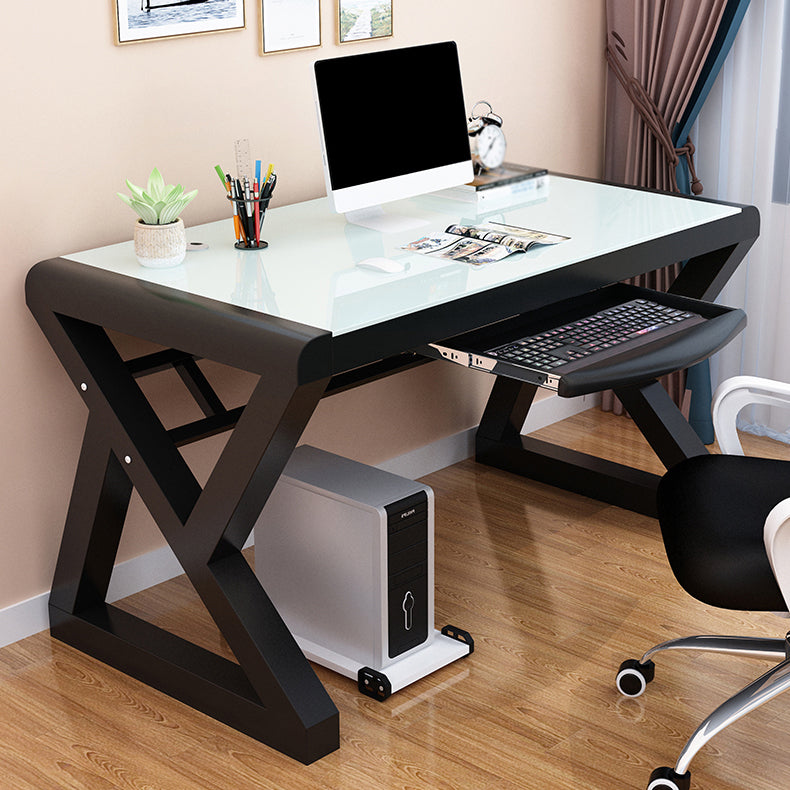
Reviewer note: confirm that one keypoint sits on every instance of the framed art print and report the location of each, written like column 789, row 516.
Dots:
column 290, row 24
column 143, row 20
column 362, row 20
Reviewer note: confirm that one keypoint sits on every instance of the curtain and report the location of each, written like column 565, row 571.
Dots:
column 663, row 55
column 743, row 135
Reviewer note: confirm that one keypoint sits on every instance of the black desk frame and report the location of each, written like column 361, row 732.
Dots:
column 272, row 694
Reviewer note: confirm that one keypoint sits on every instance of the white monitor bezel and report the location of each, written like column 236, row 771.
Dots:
column 371, row 194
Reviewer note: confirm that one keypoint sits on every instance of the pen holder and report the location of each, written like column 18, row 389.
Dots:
column 247, row 221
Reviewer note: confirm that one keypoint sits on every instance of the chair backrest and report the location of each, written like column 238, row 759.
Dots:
column 730, row 397
column 733, row 395
column 712, row 509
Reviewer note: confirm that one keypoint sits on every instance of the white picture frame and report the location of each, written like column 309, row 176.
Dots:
column 144, row 20
column 290, row 25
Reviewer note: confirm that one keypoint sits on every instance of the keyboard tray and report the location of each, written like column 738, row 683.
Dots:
column 629, row 367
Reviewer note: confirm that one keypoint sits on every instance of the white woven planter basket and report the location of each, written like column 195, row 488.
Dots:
column 160, row 246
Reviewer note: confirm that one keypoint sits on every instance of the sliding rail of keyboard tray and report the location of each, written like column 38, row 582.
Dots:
column 631, row 362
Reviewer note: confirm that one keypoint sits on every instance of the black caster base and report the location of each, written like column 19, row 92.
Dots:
column 633, row 677
column 667, row 779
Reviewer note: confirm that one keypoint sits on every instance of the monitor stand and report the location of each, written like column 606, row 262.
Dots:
column 376, row 218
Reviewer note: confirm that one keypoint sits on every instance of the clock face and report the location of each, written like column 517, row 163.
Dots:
column 491, row 146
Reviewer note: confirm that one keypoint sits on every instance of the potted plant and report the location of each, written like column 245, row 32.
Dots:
column 159, row 237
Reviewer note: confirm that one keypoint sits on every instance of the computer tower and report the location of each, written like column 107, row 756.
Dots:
column 345, row 552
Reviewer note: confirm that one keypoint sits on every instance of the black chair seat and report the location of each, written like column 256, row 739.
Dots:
column 712, row 509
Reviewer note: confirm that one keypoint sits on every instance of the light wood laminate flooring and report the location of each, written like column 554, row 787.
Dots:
column 556, row 589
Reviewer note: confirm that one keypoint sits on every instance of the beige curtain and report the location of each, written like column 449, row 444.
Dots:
column 656, row 50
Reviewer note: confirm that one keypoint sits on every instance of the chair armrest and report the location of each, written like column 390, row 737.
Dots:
column 735, row 393
column 776, row 534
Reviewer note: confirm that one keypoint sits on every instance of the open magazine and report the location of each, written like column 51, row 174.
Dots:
column 478, row 244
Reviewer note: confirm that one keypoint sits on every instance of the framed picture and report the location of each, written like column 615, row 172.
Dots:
column 287, row 25
column 362, row 20
column 143, row 20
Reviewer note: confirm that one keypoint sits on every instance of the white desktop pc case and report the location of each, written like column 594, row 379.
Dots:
column 345, row 551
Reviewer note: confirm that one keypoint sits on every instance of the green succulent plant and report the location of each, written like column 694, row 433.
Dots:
column 158, row 203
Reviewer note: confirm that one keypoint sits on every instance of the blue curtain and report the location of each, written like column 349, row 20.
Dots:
column 698, row 377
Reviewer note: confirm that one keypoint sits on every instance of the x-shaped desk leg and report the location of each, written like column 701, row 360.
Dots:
column 499, row 443
column 272, row 694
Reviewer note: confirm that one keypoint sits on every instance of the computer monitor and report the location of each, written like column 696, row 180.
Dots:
column 393, row 125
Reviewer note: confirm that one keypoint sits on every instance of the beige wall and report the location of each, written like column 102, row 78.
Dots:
column 81, row 114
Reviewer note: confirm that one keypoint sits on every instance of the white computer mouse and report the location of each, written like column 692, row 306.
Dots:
column 386, row 265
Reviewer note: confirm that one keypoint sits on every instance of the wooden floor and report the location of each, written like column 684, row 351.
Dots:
column 556, row 589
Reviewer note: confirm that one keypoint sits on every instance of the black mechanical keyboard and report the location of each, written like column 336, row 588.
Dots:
column 598, row 334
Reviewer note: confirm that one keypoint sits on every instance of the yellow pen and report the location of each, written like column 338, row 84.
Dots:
column 268, row 175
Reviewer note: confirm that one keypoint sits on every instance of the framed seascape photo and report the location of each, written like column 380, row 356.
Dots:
column 362, row 20
column 143, row 20
column 287, row 25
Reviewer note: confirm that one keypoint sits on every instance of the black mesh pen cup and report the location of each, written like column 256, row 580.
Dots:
column 248, row 215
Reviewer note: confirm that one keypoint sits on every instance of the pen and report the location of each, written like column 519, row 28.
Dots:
column 226, row 182
column 271, row 180
column 268, row 176
column 245, row 207
column 229, row 188
column 239, row 194
column 248, row 202
column 256, row 195
column 238, row 208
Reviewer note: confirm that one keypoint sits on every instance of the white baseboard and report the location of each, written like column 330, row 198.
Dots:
column 26, row 618
column 31, row 616
column 455, row 448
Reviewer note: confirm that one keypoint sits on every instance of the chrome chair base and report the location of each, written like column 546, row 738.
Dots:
column 634, row 675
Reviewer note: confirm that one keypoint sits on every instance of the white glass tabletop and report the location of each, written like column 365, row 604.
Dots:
column 308, row 273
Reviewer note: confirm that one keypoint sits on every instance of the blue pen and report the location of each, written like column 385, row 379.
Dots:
column 258, row 170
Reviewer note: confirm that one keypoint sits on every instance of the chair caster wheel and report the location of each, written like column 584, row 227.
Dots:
column 667, row 779
column 633, row 677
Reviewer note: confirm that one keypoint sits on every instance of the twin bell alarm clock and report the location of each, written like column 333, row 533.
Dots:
column 487, row 138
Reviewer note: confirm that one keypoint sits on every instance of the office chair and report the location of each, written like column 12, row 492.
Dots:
column 725, row 521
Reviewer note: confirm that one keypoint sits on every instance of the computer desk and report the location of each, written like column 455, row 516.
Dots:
column 302, row 317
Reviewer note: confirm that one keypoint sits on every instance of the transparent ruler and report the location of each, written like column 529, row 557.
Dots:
column 243, row 168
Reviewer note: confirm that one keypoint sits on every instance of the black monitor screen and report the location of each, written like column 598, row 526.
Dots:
column 392, row 112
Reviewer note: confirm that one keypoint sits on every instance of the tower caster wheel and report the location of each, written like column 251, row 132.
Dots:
column 667, row 779
column 633, row 677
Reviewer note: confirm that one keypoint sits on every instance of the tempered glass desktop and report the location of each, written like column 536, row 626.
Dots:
column 309, row 276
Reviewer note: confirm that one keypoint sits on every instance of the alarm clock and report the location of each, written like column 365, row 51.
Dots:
column 488, row 142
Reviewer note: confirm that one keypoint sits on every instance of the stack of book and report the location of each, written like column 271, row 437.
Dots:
column 503, row 185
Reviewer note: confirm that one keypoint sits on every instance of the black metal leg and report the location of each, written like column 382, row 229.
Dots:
column 661, row 423
column 704, row 276
column 272, row 693
column 506, row 410
column 100, row 499
column 500, row 444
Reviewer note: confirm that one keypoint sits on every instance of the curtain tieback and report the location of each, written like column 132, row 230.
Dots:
column 688, row 151
column 654, row 121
